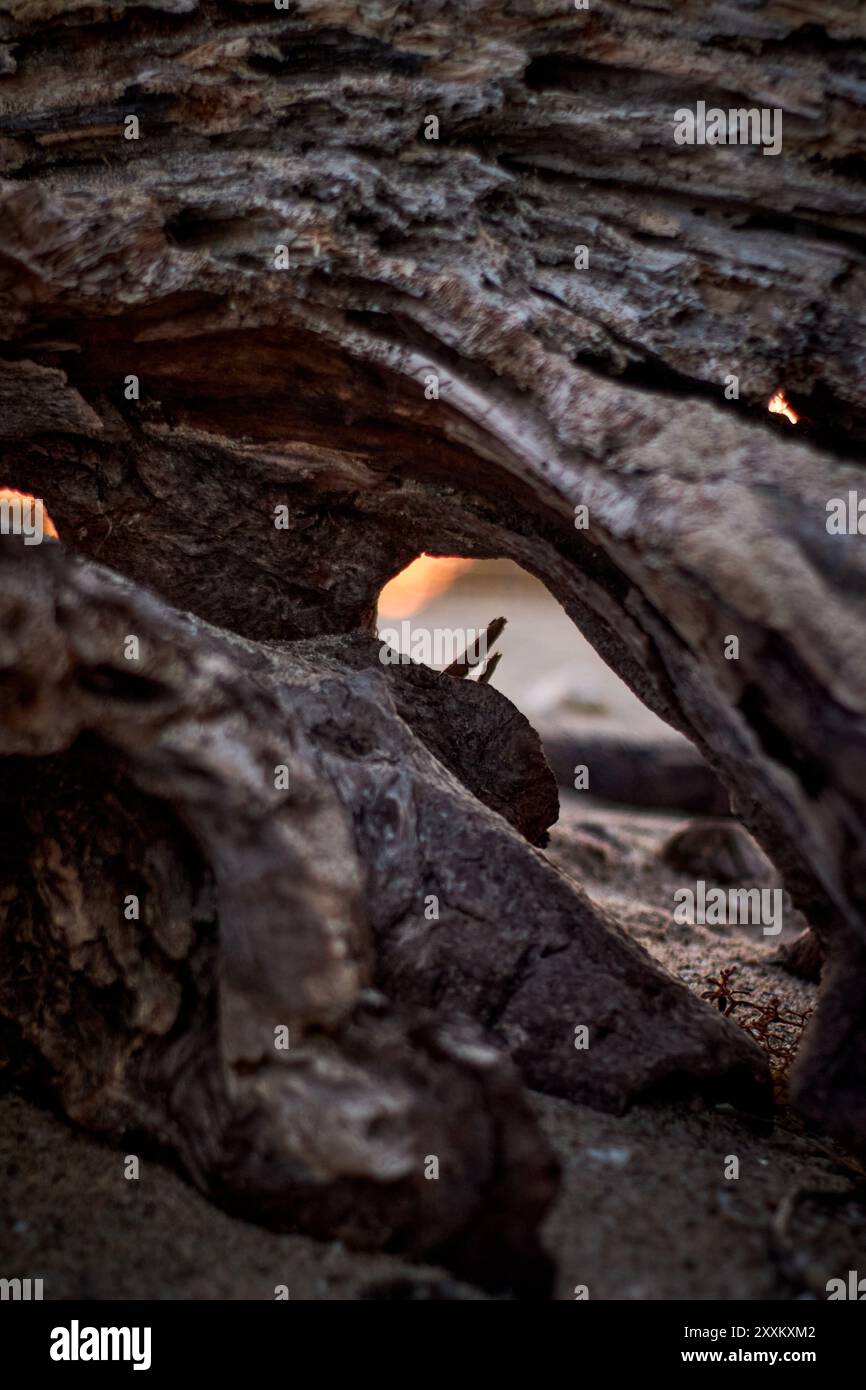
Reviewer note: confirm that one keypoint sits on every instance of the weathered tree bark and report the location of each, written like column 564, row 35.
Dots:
column 265, row 909
column 453, row 258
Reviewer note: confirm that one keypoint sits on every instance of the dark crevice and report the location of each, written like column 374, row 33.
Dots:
column 791, row 225
column 321, row 52
column 193, row 229
column 753, row 707
column 121, row 685
column 809, row 39
column 48, row 123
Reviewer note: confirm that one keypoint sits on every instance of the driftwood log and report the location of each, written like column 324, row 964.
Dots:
column 283, row 294
column 260, row 908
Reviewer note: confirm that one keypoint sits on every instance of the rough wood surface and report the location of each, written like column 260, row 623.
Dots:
column 558, row 387
column 264, row 909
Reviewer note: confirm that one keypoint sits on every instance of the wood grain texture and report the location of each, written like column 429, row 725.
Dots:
column 557, row 387
column 305, row 908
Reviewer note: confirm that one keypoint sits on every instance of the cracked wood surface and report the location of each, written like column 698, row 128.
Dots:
column 263, row 909
column 558, row 387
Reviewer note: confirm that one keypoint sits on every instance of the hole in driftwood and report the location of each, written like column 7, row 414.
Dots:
column 626, row 781
column 437, row 608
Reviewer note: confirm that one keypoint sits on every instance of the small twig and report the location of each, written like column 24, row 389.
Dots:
column 476, row 652
column 489, row 668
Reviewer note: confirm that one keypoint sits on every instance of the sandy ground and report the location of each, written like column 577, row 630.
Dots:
column 644, row 1211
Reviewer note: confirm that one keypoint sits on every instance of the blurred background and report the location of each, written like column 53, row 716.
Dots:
column 547, row 669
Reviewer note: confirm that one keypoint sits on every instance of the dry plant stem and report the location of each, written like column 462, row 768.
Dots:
column 476, row 653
